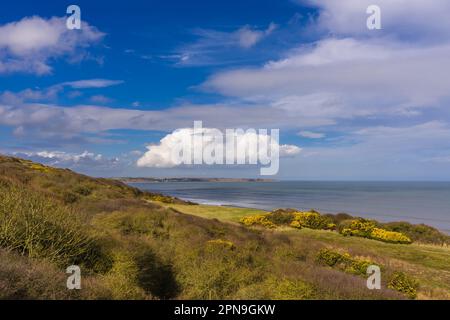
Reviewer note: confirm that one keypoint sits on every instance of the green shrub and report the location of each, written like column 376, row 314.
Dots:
column 83, row 190
column 216, row 271
column 292, row 218
column 339, row 217
column 368, row 229
column 38, row 227
column 389, row 236
column 403, row 283
column 418, row 232
column 135, row 222
column 311, row 220
column 358, row 227
column 343, row 261
column 69, row 197
column 259, row 220
column 281, row 216
column 328, row 257
column 23, row 278
column 122, row 279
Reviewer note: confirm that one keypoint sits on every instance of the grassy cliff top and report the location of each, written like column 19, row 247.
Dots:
column 139, row 245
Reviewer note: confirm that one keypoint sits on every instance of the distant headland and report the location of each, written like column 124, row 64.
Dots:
column 146, row 180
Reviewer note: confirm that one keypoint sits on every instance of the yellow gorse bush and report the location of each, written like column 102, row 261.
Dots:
column 260, row 219
column 389, row 236
column 312, row 220
column 359, row 228
column 343, row 261
column 367, row 229
column 403, row 283
column 161, row 198
column 398, row 281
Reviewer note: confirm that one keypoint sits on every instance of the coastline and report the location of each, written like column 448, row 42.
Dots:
column 185, row 179
column 265, row 207
column 115, row 225
column 206, row 202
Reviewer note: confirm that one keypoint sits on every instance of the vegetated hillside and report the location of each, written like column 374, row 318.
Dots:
column 132, row 245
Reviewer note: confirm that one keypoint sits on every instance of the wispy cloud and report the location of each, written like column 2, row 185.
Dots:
column 51, row 93
column 92, row 83
column 218, row 47
column 311, row 135
column 100, row 99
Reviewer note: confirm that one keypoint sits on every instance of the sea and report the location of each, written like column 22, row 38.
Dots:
column 415, row 202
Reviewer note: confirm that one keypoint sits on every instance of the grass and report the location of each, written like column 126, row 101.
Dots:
column 428, row 263
column 221, row 213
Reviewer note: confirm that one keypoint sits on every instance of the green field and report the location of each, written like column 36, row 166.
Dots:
column 221, row 213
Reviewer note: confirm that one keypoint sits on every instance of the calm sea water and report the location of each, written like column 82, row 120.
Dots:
column 416, row 202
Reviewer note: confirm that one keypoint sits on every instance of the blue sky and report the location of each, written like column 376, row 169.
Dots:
column 360, row 104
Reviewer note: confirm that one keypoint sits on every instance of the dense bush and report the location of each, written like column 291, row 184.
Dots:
column 368, row 229
column 36, row 226
column 258, row 220
column 403, row 283
column 217, row 271
column 69, row 197
column 357, row 227
column 281, row 216
column 292, row 218
column 83, row 190
column 339, row 217
column 389, row 236
column 343, row 261
column 122, row 280
column 135, row 222
column 311, row 220
column 22, row 278
column 164, row 198
column 398, row 281
column 418, row 232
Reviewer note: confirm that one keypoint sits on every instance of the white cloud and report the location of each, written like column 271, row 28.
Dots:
column 289, row 150
column 248, row 37
column 218, row 47
column 408, row 19
column 51, row 93
column 383, row 152
column 353, row 72
column 61, row 158
column 16, row 98
column 375, row 76
column 92, row 83
column 63, row 122
column 311, row 135
column 161, row 155
column 28, row 45
column 388, row 144
column 100, row 99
